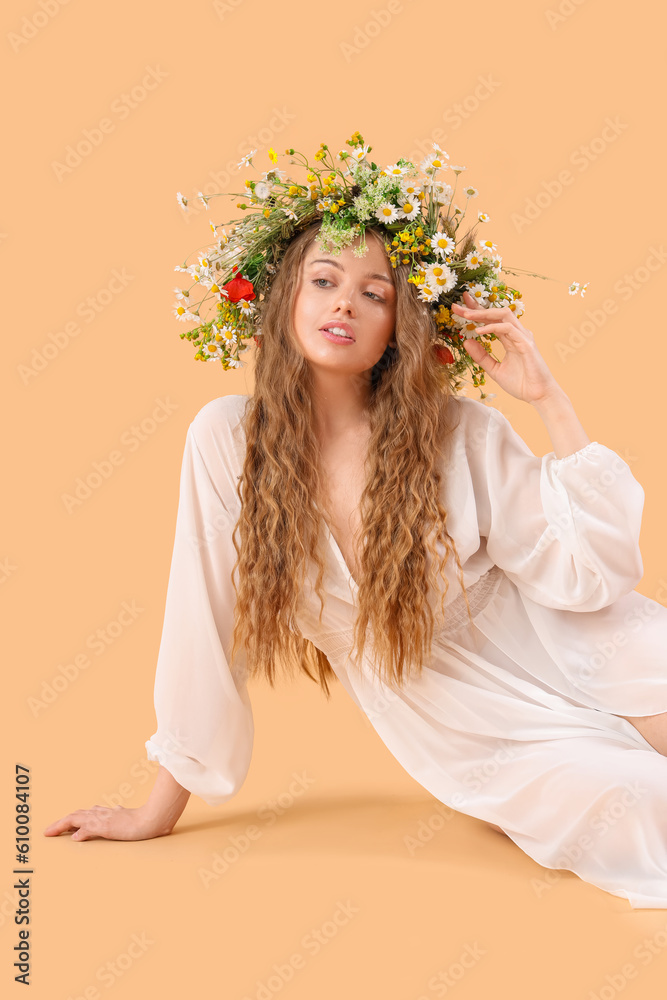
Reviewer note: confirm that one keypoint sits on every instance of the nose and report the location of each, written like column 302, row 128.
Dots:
column 344, row 299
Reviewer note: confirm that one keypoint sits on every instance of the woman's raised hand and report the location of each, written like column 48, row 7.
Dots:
column 109, row 823
column 523, row 372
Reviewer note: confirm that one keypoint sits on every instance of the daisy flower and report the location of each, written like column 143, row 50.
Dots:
column 473, row 260
column 483, row 245
column 245, row 160
column 433, row 162
column 212, row 352
column 457, row 170
column 409, row 208
column 470, row 192
column 290, row 214
column 483, row 217
column 359, row 154
column 394, row 170
column 440, row 278
column 426, row 293
column 233, row 363
column 246, row 307
column 479, row 293
column 180, row 294
column 574, row 288
column 442, row 244
column 411, row 189
column 387, row 213
column 203, row 199
column 181, row 312
column 440, row 192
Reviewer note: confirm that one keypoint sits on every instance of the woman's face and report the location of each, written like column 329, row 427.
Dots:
column 355, row 294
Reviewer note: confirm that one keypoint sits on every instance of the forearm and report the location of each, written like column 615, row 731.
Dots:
column 166, row 801
column 566, row 432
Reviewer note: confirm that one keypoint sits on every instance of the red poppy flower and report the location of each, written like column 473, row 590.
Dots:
column 443, row 354
column 239, row 288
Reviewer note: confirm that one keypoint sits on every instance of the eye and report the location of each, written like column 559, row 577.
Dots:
column 315, row 281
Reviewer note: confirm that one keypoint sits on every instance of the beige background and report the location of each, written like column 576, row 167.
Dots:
column 295, row 75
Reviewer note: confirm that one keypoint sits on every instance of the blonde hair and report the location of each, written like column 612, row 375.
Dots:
column 282, row 495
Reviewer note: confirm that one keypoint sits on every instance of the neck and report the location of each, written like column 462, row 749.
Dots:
column 339, row 403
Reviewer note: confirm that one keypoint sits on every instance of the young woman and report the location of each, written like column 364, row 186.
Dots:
column 528, row 687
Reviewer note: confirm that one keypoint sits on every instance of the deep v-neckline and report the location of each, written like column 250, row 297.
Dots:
column 340, row 557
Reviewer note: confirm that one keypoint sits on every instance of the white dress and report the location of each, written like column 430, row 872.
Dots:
column 516, row 719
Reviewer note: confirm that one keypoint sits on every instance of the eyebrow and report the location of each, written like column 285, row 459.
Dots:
column 334, row 263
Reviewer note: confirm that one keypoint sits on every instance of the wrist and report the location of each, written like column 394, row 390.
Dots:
column 554, row 400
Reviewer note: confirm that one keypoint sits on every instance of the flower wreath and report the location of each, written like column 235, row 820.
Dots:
column 414, row 210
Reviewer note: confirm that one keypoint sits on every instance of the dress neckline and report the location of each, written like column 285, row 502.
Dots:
column 340, row 557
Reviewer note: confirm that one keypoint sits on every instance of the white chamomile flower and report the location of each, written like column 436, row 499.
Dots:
column 359, row 154
column 440, row 278
column 409, row 208
column 496, row 260
column 213, row 227
column 233, row 363
column 440, row 151
column 245, row 160
column 483, row 217
column 470, row 192
column 426, row 293
column 411, row 189
column 203, row 199
column 473, row 260
column 395, row 170
column 387, row 213
column 182, row 201
column 457, row 170
column 479, row 293
column 290, row 214
column 181, row 312
column 245, row 306
column 181, row 294
column 582, row 290
column 484, row 245
column 433, row 162
column 574, row 288
column 205, row 261
column 262, row 190
column 442, row 244
column 440, row 192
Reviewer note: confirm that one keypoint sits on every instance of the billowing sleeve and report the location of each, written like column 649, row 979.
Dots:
column 205, row 729
column 565, row 531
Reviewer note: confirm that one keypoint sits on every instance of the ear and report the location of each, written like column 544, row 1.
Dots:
column 392, row 343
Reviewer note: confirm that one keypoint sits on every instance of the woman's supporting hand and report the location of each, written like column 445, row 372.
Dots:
column 110, row 823
column 156, row 818
column 523, row 372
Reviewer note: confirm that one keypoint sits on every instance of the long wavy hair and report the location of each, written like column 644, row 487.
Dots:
column 283, row 497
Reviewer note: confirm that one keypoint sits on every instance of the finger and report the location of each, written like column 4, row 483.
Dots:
column 69, row 822
column 507, row 333
column 491, row 314
column 83, row 834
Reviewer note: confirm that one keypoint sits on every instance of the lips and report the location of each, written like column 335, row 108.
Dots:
column 340, row 326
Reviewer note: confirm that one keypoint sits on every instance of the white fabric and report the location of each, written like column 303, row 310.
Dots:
column 515, row 721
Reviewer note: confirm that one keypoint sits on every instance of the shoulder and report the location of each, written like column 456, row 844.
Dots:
column 471, row 419
column 216, row 429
